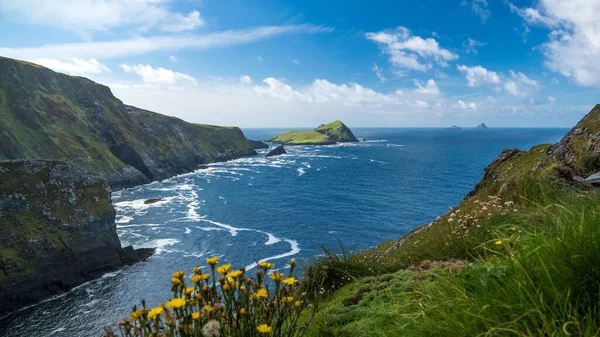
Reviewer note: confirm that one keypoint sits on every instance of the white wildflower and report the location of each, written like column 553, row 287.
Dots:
column 212, row 328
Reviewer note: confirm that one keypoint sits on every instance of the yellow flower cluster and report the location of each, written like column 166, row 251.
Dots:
column 223, row 302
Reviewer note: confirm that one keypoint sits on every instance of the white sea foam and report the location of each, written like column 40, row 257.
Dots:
column 187, row 230
column 160, row 245
column 272, row 239
column 294, row 249
column 123, row 219
column 140, row 205
column 300, row 171
column 232, row 230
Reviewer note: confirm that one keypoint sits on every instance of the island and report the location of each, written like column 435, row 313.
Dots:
column 326, row 134
column 454, row 127
column 481, row 126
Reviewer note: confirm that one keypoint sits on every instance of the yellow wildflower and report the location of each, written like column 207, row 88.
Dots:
column 123, row 322
column 287, row 299
column 514, row 229
column 277, row 277
column 292, row 263
column 196, row 278
column 298, row 304
column 243, row 311
column 499, row 242
column 262, row 292
column 136, row 314
column 205, row 276
column 290, row 281
column 188, row 291
column 213, row 260
column 243, row 288
column 223, row 269
column 179, row 274
column 226, row 287
column 264, row 329
column 235, row 273
column 197, row 270
column 195, row 315
column 176, row 303
column 176, row 281
column 154, row 313
column 266, row 265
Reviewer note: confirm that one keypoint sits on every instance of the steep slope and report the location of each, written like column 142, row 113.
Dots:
column 48, row 115
column 57, row 231
column 337, row 131
column 580, row 148
column 325, row 134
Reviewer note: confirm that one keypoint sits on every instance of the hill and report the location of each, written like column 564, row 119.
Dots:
column 325, row 134
column 49, row 115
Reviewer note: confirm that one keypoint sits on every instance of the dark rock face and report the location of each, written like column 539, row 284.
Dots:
column 57, row 231
column 257, row 144
column 580, row 148
column 276, row 151
column 481, row 126
column 153, row 201
column 490, row 172
column 72, row 119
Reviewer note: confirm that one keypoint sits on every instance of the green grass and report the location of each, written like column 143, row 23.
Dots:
column 337, row 131
column 308, row 137
column 542, row 280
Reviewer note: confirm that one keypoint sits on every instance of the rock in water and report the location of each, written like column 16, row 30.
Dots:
column 57, row 231
column 276, row 151
column 481, row 126
column 325, row 134
column 153, row 201
column 454, row 127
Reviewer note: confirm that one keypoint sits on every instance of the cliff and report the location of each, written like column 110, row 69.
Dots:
column 57, row 231
column 325, row 134
column 48, row 115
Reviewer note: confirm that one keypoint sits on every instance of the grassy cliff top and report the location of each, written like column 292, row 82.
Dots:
column 331, row 133
column 308, row 137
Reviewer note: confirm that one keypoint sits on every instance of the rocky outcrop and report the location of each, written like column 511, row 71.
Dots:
column 454, row 127
column 279, row 150
column 481, row 126
column 57, row 231
column 257, row 144
column 49, row 115
column 580, row 148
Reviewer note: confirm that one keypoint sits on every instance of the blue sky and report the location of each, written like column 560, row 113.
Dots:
column 301, row 63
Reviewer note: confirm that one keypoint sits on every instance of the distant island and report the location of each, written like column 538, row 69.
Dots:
column 481, row 126
column 325, row 134
column 454, row 127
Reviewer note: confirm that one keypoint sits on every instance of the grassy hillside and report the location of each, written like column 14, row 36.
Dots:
column 308, row 137
column 48, row 115
column 325, row 134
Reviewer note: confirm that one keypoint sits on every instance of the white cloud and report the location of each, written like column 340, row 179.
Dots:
column 471, row 45
column 465, row 106
column 479, row 7
column 259, row 58
column 378, row 72
column 138, row 46
column 84, row 16
column 159, row 77
column 74, row 66
column 552, row 99
column 173, row 58
column 520, row 84
column 409, row 52
column 430, row 88
column 245, row 79
column 421, row 104
column 478, row 75
column 573, row 46
column 295, row 62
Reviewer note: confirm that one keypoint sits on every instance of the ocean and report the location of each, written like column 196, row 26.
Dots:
column 284, row 207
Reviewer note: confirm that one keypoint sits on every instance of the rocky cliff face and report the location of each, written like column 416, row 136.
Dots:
column 580, row 148
column 44, row 114
column 57, row 231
